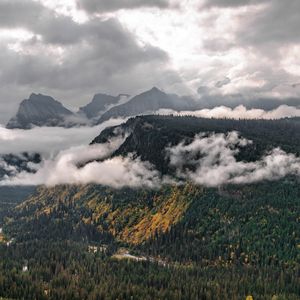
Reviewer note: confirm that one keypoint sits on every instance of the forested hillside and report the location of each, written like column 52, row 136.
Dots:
column 175, row 241
column 149, row 136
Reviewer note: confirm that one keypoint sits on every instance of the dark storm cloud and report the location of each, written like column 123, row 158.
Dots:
column 53, row 28
column 72, row 61
column 276, row 21
column 96, row 6
column 38, row 19
column 221, row 83
column 14, row 13
column 101, row 49
column 230, row 3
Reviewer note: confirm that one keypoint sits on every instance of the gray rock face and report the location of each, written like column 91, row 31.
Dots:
column 149, row 102
column 100, row 104
column 40, row 110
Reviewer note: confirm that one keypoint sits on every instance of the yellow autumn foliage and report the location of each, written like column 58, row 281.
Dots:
column 129, row 222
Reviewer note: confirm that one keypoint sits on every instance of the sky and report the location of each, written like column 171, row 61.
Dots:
column 72, row 49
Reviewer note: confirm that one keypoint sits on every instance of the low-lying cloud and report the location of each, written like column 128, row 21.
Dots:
column 48, row 141
column 90, row 164
column 239, row 112
column 211, row 161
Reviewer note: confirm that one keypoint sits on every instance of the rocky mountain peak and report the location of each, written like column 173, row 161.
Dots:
column 39, row 110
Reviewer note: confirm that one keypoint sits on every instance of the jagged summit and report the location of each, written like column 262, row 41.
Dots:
column 155, row 89
column 100, row 103
column 39, row 110
column 42, row 110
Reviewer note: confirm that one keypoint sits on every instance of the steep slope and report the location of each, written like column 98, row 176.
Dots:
column 40, row 110
column 235, row 225
column 99, row 104
column 149, row 102
column 127, row 215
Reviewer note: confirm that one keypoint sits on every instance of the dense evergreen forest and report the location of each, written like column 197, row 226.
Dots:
column 175, row 242
column 10, row 196
column 193, row 242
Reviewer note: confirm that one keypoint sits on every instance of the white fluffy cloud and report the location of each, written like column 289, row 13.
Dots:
column 90, row 164
column 240, row 112
column 210, row 161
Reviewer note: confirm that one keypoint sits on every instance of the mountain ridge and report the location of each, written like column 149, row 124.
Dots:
column 100, row 103
column 42, row 110
column 149, row 102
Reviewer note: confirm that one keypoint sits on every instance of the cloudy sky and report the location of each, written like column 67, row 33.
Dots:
column 72, row 49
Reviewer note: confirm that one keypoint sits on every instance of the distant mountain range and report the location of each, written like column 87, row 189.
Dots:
column 100, row 104
column 149, row 102
column 41, row 110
